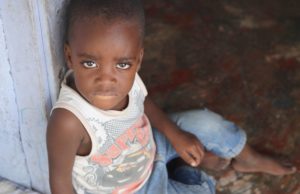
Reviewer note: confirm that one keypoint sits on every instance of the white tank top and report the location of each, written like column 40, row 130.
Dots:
column 123, row 148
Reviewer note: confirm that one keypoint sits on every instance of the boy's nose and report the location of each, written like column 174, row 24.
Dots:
column 105, row 75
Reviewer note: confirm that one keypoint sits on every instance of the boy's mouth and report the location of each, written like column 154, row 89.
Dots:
column 104, row 97
column 105, row 94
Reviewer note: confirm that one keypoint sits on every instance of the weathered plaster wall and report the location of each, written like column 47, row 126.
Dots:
column 12, row 155
column 30, row 60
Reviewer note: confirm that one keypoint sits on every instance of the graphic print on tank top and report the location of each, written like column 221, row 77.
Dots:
column 125, row 156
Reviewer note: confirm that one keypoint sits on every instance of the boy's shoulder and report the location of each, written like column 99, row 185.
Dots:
column 63, row 122
column 65, row 140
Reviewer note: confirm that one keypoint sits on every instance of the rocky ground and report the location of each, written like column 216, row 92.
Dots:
column 240, row 59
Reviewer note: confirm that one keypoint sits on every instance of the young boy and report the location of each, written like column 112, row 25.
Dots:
column 99, row 138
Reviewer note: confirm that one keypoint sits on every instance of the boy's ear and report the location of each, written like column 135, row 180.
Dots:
column 67, row 53
column 140, row 59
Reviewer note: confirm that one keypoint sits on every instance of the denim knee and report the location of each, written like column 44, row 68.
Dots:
column 218, row 135
column 200, row 119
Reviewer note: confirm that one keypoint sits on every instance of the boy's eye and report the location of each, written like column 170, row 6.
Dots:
column 89, row 64
column 123, row 65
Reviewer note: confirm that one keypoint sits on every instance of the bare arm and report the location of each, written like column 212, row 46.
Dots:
column 63, row 139
column 186, row 144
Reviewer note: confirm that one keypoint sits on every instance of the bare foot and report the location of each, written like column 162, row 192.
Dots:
column 251, row 161
column 213, row 162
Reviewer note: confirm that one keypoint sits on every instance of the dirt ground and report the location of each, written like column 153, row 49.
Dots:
column 240, row 59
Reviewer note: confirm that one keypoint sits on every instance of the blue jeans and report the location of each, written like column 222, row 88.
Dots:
column 218, row 136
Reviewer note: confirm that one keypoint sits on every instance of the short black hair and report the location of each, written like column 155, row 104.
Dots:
column 106, row 9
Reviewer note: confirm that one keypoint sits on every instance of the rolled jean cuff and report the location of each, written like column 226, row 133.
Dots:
column 236, row 150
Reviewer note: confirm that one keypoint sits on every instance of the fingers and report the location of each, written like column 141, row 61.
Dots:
column 197, row 158
column 194, row 155
column 189, row 159
column 189, row 148
column 198, row 152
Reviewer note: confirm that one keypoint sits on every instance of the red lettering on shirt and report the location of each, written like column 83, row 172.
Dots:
column 139, row 132
column 113, row 152
column 103, row 160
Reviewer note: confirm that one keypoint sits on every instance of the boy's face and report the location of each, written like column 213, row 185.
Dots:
column 105, row 58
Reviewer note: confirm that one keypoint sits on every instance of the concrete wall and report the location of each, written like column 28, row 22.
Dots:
column 30, row 59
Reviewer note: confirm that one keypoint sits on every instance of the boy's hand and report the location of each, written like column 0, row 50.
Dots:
column 188, row 147
column 185, row 144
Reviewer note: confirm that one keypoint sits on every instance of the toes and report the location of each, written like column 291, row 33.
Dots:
column 293, row 170
column 289, row 169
